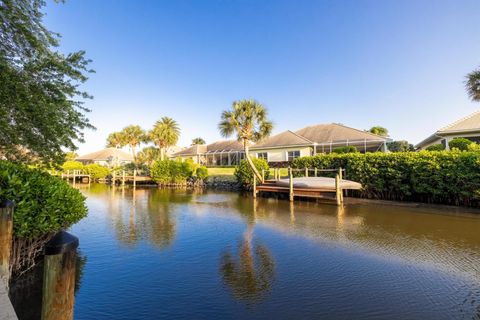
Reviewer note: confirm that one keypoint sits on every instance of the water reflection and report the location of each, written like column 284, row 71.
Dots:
column 250, row 274
column 210, row 250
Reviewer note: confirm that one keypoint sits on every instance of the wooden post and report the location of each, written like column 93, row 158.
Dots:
column 316, row 172
column 6, row 234
column 123, row 178
column 306, row 172
column 263, row 175
column 74, row 171
column 114, row 177
column 340, row 175
column 337, row 190
column 254, row 186
column 290, row 183
column 134, row 176
column 59, row 277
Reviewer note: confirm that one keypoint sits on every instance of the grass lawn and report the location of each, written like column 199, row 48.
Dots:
column 221, row 171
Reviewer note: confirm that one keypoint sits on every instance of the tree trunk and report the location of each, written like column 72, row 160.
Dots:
column 250, row 162
column 162, row 153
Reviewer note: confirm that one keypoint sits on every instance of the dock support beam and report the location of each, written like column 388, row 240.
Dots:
column 6, row 234
column 254, row 186
column 59, row 277
column 290, row 175
column 123, row 178
column 134, row 177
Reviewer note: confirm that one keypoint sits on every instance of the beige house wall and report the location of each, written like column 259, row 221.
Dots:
column 281, row 154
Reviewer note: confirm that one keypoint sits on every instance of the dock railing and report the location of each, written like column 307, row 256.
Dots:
column 339, row 175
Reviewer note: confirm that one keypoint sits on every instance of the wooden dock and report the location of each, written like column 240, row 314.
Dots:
column 75, row 175
column 326, row 188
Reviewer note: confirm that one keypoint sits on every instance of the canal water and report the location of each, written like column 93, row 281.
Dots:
column 155, row 254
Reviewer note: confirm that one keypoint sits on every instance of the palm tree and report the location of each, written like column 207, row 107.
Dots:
column 115, row 140
column 148, row 155
column 473, row 85
column 379, row 131
column 165, row 133
column 133, row 136
column 198, row 140
column 250, row 274
column 248, row 119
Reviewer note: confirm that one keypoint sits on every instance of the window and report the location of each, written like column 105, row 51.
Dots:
column 291, row 155
column 262, row 155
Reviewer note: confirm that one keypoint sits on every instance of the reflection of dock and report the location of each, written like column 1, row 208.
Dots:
column 310, row 187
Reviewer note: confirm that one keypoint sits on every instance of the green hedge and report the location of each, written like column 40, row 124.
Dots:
column 346, row 149
column 244, row 173
column 96, row 171
column 461, row 144
column 436, row 147
column 171, row 172
column 72, row 165
column 43, row 203
column 426, row 176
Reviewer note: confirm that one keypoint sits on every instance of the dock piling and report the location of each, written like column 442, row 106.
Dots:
column 59, row 277
column 338, row 196
column 6, row 235
column 254, row 186
column 290, row 175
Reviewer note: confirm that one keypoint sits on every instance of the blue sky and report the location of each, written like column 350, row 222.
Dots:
column 400, row 64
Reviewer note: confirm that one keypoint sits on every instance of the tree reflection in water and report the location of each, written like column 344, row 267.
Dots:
column 161, row 225
column 249, row 276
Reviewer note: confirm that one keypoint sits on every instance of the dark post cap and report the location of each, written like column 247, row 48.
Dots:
column 6, row 204
column 62, row 242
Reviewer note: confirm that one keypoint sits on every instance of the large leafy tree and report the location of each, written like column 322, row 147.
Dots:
column 400, row 146
column 473, row 85
column 41, row 104
column 379, row 131
column 248, row 119
column 116, row 140
column 165, row 133
column 133, row 136
column 198, row 140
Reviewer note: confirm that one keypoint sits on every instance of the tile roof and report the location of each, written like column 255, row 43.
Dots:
column 107, row 154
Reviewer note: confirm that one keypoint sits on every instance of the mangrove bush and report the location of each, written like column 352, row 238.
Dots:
column 44, row 204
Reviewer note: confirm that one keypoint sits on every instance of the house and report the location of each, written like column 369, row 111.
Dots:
column 109, row 157
column 468, row 127
column 220, row 153
column 311, row 140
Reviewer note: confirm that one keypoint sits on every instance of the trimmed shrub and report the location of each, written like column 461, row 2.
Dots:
column 460, row 143
column 72, row 165
column 346, row 149
column 435, row 147
column 244, row 173
column 171, row 172
column 202, row 173
column 97, row 171
column 426, row 176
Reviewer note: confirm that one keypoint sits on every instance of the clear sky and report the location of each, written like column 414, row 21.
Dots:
column 399, row 64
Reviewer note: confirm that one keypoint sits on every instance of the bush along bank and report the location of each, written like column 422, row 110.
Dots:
column 444, row 177
column 44, row 204
column 178, row 173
